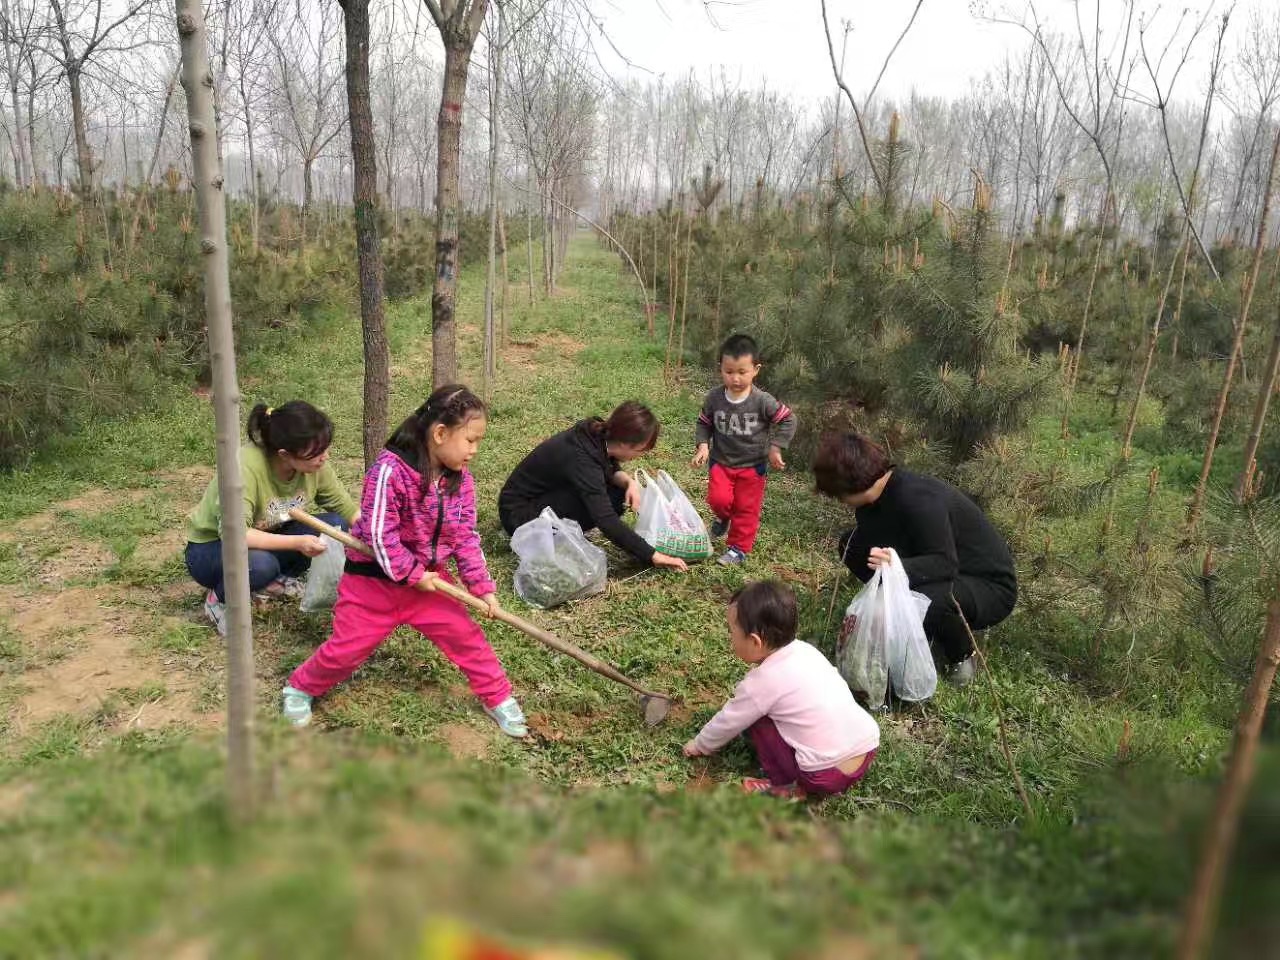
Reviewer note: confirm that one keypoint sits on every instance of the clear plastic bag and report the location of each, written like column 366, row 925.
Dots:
column 882, row 643
column 557, row 562
column 668, row 521
column 321, row 592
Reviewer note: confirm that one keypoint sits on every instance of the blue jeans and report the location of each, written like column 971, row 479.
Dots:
column 204, row 560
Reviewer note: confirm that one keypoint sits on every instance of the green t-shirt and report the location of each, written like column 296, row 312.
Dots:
column 267, row 499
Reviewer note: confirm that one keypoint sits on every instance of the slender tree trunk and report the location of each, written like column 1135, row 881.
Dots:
column 1251, row 281
column 197, row 80
column 84, row 153
column 255, row 187
column 1074, row 373
column 1220, row 838
column 684, row 298
column 528, row 222
column 364, row 159
column 491, row 277
column 308, row 198
column 1270, row 375
column 506, row 279
column 1131, row 426
column 444, row 294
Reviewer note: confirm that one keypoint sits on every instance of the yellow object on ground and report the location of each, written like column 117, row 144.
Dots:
column 446, row 939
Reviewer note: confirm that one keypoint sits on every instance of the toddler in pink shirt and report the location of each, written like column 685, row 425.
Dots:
column 810, row 735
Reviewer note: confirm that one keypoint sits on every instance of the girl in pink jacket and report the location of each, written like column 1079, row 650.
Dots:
column 418, row 511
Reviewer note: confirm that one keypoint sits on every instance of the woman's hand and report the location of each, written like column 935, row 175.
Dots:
column 775, row 458
column 490, row 600
column 690, row 749
column 700, row 455
column 633, row 495
column 671, row 563
column 879, row 557
column 310, row 546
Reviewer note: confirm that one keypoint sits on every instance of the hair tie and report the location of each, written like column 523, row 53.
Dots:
column 270, row 411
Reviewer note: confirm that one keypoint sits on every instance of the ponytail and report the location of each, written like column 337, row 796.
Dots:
column 295, row 427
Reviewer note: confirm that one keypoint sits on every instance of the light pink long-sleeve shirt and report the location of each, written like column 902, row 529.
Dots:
column 807, row 700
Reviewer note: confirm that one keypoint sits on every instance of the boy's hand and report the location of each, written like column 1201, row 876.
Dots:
column 490, row 600
column 310, row 546
column 701, row 455
column 775, row 459
column 690, row 749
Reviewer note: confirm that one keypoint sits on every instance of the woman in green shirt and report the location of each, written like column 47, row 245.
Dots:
column 285, row 465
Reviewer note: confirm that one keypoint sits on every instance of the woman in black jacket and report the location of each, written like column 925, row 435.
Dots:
column 577, row 474
column 950, row 550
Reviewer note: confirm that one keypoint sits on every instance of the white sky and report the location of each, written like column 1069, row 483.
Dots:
column 782, row 40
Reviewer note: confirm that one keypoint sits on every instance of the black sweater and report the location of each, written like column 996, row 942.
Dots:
column 576, row 459
column 938, row 532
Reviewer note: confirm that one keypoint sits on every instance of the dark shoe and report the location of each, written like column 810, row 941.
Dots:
column 719, row 528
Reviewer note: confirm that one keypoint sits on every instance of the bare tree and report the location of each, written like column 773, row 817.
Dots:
column 80, row 38
column 459, row 23
column 364, row 156
column 308, row 89
column 197, row 80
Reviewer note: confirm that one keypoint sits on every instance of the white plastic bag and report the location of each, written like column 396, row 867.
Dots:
column 557, row 562
column 321, row 592
column 882, row 643
column 668, row 521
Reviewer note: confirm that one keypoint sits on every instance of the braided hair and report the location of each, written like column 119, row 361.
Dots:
column 450, row 406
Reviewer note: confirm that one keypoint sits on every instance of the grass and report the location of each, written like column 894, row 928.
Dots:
column 597, row 830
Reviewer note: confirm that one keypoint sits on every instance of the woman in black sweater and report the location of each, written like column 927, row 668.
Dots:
column 946, row 543
column 577, row 474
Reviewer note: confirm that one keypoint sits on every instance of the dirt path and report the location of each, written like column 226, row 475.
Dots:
column 95, row 625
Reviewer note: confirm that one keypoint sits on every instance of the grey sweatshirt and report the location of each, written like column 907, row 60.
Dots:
column 741, row 433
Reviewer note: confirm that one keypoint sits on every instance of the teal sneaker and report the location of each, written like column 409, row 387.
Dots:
column 297, row 706
column 509, row 718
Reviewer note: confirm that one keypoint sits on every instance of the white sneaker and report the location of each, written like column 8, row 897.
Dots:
column 509, row 718
column 216, row 611
column 963, row 673
column 292, row 587
column 297, row 706
column 733, row 557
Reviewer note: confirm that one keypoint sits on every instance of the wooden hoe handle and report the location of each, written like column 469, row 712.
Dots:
column 462, row 596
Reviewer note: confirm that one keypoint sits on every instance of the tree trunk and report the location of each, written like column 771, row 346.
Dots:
column 1149, row 360
column 211, row 205
column 1220, row 838
column 528, row 222
column 1270, row 374
column 84, row 154
column 308, row 195
column 373, row 323
column 491, row 277
column 1074, row 373
column 1251, row 281
column 506, row 276
column 444, row 294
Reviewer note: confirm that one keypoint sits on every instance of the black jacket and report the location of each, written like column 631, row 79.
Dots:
column 574, row 459
column 938, row 532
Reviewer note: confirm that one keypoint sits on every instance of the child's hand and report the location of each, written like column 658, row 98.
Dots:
column 428, row 582
column 690, row 749
column 490, row 600
column 700, row 455
column 775, row 459
column 310, row 546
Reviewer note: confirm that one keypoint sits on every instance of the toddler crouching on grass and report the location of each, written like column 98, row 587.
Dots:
column 810, row 735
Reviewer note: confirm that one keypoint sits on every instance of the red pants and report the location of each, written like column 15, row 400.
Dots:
column 779, row 762
column 369, row 609
column 736, row 494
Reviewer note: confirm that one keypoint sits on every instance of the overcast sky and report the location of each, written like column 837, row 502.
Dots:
column 782, row 40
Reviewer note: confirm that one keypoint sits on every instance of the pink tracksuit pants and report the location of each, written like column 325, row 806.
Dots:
column 367, row 612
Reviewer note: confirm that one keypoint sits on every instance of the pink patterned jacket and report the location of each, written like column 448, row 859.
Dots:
column 413, row 531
